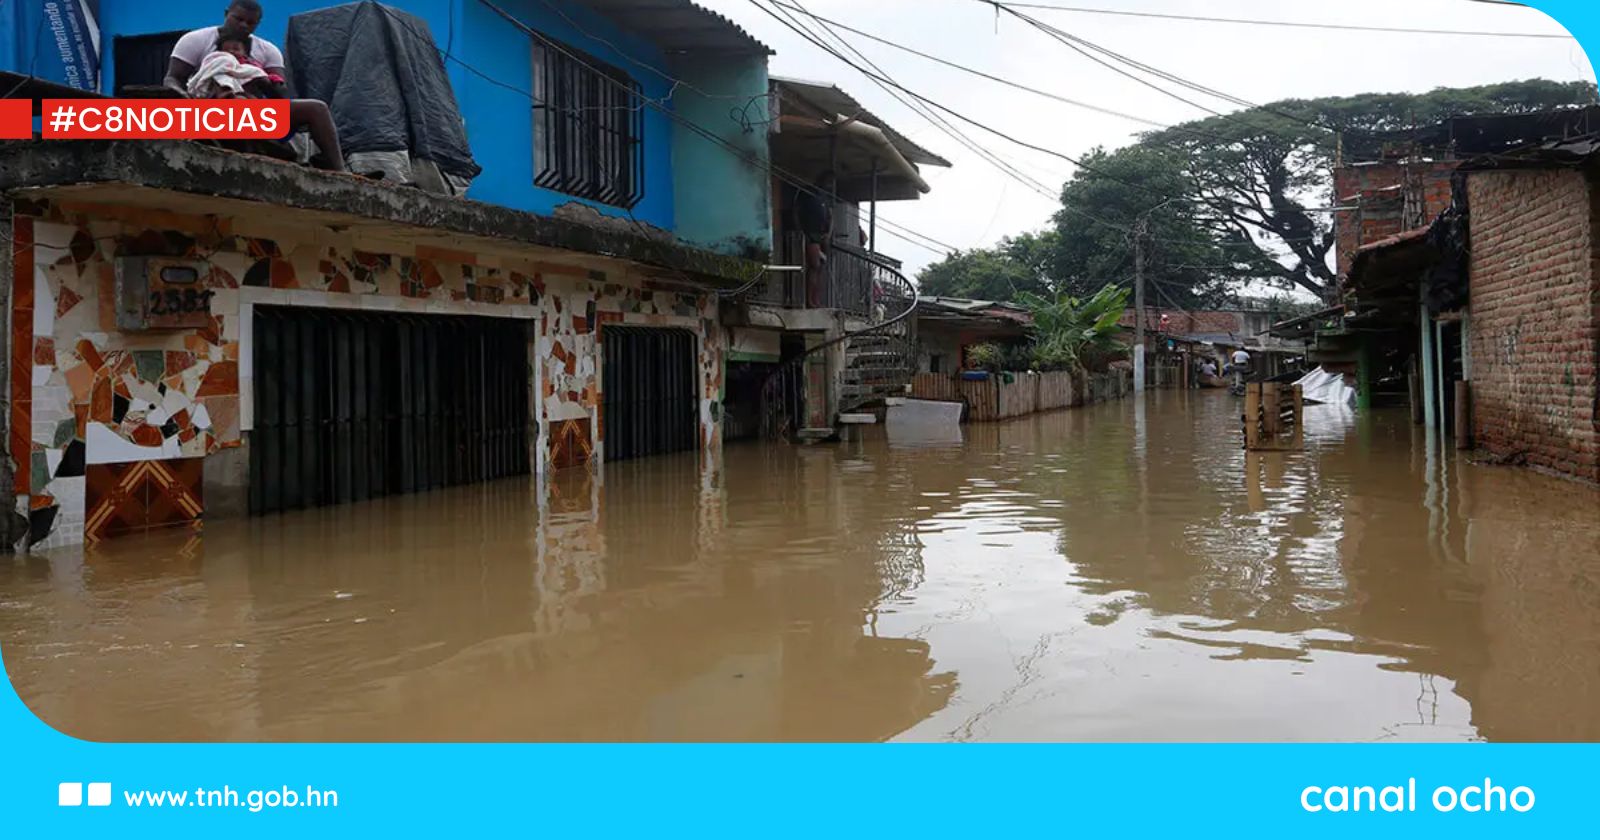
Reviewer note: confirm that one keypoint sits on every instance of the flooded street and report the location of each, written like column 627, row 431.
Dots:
column 1108, row 573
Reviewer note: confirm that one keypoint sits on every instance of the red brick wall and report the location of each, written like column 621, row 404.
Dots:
column 1534, row 315
column 1378, row 189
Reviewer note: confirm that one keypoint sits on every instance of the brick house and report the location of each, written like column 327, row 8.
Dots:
column 1534, row 335
column 1502, row 297
column 1386, row 198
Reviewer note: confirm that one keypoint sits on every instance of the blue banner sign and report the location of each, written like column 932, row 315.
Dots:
column 53, row 40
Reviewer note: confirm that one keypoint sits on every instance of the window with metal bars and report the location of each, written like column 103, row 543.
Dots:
column 588, row 127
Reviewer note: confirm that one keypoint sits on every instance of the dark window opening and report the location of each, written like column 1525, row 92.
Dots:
column 588, row 127
column 142, row 60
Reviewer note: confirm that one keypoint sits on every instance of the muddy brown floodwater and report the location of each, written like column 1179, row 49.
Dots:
column 1110, row 573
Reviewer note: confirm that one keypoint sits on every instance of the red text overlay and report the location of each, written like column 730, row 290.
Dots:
column 165, row 119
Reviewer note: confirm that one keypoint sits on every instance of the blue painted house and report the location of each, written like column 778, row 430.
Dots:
column 197, row 331
column 701, row 73
column 201, row 332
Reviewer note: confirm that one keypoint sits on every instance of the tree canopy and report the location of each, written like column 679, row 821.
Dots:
column 1016, row 266
column 1222, row 200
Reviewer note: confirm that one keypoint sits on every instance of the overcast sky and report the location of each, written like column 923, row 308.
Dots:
column 973, row 204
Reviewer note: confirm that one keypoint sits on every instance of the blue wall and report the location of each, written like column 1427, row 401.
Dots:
column 724, row 200
column 721, row 201
column 500, row 121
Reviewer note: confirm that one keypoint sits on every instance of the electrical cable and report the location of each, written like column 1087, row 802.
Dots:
column 933, row 118
column 1286, row 23
column 991, row 77
column 943, row 108
column 883, row 79
column 1080, row 45
column 1066, row 207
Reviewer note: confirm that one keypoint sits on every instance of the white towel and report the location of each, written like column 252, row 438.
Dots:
column 221, row 76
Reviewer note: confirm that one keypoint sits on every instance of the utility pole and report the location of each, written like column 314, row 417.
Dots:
column 1138, row 304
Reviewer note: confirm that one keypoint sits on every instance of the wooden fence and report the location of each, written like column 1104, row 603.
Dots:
column 996, row 398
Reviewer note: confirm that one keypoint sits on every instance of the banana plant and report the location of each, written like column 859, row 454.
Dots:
column 1070, row 332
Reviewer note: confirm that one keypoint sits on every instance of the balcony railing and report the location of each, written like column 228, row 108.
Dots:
column 851, row 280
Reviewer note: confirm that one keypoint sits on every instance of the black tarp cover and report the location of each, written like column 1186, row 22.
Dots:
column 382, row 75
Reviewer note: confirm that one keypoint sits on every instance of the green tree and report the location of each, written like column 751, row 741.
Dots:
column 1186, row 263
column 1256, row 174
column 1015, row 266
column 1223, row 200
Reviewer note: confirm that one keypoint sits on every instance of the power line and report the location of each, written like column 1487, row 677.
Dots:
column 1295, row 24
column 1066, row 207
column 1080, row 45
column 1007, row 82
column 1004, row 81
column 941, row 107
column 938, row 122
column 1068, row 41
column 962, row 117
column 926, row 113
column 948, row 249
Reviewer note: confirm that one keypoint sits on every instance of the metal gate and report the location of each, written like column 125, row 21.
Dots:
column 357, row 405
column 651, row 403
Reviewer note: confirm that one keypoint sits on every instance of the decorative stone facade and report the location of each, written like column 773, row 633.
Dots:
column 88, row 398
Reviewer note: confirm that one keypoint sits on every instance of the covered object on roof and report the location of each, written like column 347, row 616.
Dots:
column 381, row 74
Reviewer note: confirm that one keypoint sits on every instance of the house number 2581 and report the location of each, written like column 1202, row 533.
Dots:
column 180, row 301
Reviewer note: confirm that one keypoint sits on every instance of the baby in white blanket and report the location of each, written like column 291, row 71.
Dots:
column 230, row 73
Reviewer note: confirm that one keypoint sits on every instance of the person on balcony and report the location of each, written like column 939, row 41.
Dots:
column 239, row 23
column 813, row 210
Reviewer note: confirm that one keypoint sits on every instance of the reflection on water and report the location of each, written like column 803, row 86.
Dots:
column 1112, row 573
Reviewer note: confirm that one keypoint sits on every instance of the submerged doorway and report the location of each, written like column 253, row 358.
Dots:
column 352, row 405
column 651, row 402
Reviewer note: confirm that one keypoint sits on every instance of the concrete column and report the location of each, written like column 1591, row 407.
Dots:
column 1363, row 375
column 1439, row 373
column 11, row 529
column 226, row 478
column 1429, row 372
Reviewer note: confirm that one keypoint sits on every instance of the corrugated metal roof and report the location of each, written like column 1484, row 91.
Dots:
column 1397, row 239
column 679, row 26
column 830, row 99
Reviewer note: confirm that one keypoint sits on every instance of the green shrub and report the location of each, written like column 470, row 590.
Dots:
column 985, row 356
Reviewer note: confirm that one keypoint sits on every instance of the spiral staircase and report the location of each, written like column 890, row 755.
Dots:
column 879, row 358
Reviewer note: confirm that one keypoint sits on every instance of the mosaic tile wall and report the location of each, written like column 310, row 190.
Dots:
column 86, row 393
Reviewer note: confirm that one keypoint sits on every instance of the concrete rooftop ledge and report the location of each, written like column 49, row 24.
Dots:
column 194, row 170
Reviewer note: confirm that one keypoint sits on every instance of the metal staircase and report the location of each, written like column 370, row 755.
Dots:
column 879, row 358
column 878, row 365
